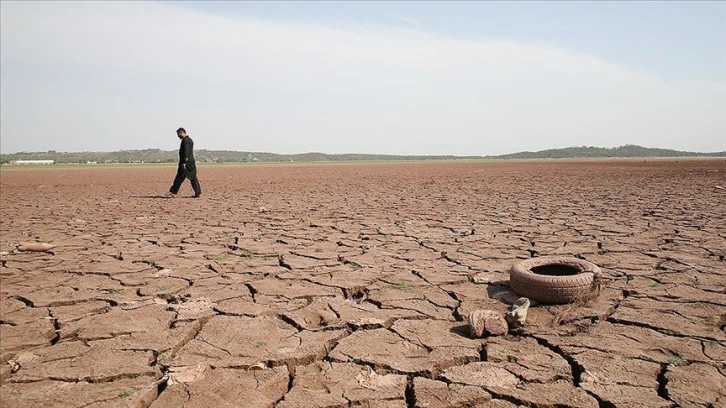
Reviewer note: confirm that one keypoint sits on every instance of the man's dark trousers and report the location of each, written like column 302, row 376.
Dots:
column 191, row 173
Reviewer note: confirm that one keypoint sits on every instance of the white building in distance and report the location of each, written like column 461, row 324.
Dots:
column 34, row 162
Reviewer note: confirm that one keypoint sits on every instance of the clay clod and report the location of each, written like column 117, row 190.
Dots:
column 486, row 323
column 35, row 247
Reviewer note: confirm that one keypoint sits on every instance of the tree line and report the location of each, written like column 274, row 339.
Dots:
column 228, row 156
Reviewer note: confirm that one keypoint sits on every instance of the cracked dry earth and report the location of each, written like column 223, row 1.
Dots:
column 350, row 286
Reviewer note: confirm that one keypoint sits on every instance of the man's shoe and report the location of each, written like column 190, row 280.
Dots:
column 197, row 195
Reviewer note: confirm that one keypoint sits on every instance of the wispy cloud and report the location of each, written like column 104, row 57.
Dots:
column 411, row 20
column 291, row 86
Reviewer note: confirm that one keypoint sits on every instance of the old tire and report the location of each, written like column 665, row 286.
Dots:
column 555, row 279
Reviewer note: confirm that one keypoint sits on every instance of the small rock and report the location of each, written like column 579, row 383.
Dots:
column 369, row 321
column 193, row 306
column 35, row 247
column 371, row 380
column 486, row 277
column 486, row 322
column 20, row 359
column 496, row 325
column 587, row 377
column 186, row 374
column 163, row 273
column 476, row 324
column 14, row 366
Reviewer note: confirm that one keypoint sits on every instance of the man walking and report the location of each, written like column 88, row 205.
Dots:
column 187, row 167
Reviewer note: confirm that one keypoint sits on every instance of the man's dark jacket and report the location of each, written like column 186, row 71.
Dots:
column 186, row 156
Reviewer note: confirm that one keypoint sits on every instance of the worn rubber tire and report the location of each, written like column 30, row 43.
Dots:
column 555, row 289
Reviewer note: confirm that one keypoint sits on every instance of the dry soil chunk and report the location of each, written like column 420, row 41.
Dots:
column 75, row 361
column 504, row 385
column 631, row 343
column 383, row 348
column 438, row 394
column 340, row 384
column 696, row 385
column 435, row 333
column 315, row 316
column 682, row 318
column 163, row 287
column 243, row 341
column 69, row 313
column 15, row 312
column 627, row 396
column 227, row 388
column 120, row 322
column 607, row 369
column 244, row 305
column 292, row 289
column 26, row 336
column 560, row 394
column 366, row 314
column 136, row 392
column 481, row 374
column 528, row 360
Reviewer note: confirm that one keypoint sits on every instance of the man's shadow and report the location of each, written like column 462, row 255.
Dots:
column 161, row 197
column 153, row 196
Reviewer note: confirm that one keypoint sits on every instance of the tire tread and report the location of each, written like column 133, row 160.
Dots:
column 553, row 289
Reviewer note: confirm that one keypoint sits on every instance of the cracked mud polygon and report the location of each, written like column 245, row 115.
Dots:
column 348, row 285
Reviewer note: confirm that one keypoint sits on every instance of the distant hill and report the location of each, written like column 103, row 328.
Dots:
column 602, row 152
column 227, row 156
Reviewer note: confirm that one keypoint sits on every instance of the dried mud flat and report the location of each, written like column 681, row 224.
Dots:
column 347, row 285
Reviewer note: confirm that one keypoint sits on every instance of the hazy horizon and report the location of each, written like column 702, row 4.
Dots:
column 350, row 153
column 397, row 78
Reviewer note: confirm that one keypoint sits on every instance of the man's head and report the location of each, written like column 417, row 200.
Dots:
column 181, row 133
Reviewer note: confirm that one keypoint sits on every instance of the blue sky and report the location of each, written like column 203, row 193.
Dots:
column 370, row 77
